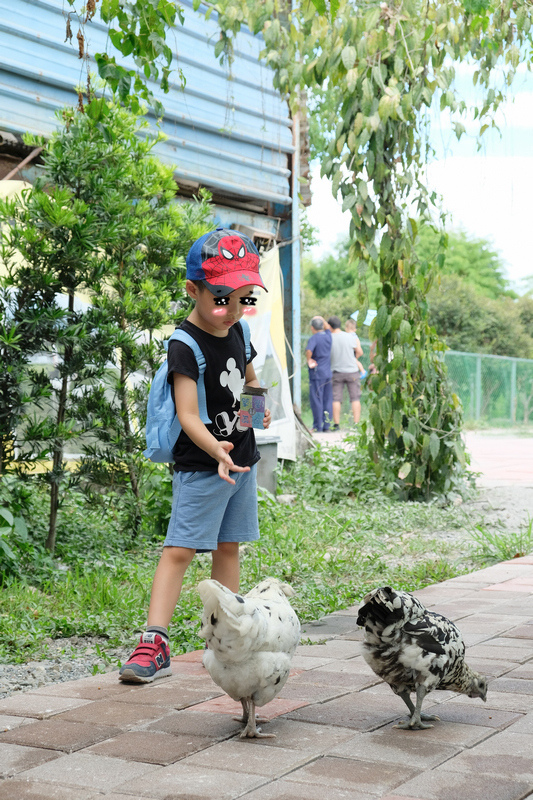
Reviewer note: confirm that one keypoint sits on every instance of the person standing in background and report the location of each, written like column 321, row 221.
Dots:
column 350, row 326
column 345, row 350
column 318, row 355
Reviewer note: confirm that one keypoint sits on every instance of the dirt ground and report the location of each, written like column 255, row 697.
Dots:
column 510, row 507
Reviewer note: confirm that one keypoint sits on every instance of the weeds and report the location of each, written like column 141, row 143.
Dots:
column 493, row 547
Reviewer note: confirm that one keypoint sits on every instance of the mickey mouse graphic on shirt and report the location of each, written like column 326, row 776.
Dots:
column 231, row 379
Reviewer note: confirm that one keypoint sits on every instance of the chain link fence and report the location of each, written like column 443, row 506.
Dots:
column 494, row 389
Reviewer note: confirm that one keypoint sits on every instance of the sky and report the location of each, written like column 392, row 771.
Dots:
column 487, row 193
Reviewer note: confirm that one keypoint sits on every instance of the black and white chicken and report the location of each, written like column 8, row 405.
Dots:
column 415, row 650
column 250, row 643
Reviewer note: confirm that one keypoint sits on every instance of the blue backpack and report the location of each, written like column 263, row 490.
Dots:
column 162, row 423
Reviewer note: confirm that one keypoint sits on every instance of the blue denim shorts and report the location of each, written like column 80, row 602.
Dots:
column 207, row 510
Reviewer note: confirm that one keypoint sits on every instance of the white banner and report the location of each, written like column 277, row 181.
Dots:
column 268, row 338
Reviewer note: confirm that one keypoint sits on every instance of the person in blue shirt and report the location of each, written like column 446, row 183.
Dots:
column 318, row 355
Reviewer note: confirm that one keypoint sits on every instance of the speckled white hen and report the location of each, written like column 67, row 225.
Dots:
column 250, row 643
column 415, row 650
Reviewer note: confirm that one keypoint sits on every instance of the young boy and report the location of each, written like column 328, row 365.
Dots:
column 214, row 504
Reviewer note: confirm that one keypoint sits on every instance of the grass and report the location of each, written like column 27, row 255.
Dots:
column 340, row 538
column 492, row 547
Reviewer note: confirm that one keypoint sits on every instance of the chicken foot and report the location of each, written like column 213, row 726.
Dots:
column 416, row 723
column 251, row 731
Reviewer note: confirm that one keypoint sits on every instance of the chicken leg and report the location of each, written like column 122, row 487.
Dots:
column 417, row 720
column 251, row 731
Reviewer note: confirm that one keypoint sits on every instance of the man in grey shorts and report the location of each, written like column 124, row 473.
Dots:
column 344, row 354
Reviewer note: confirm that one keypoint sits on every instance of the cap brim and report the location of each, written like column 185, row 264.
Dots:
column 223, row 285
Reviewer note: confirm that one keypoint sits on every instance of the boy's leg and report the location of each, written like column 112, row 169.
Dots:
column 151, row 657
column 167, row 583
column 226, row 567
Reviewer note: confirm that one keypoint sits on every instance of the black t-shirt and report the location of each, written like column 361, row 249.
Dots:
column 225, row 370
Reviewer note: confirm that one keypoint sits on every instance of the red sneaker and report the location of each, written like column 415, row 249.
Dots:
column 149, row 660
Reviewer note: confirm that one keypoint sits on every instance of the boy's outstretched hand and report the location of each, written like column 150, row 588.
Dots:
column 267, row 418
column 225, row 463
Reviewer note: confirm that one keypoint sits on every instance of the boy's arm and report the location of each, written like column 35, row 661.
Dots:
column 251, row 380
column 186, row 398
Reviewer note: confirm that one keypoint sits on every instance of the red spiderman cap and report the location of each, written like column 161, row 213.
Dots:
column 224, row 260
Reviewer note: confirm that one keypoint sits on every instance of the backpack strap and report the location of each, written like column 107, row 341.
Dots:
column 182, row 336
column 246, row 334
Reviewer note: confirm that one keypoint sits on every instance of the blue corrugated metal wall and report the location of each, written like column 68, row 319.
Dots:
column 231, row 135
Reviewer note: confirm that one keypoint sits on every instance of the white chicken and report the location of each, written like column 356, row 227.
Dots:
column 415, row 650
column 250, row 643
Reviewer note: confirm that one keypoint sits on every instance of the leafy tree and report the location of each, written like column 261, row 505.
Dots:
column 103, row 221
column 469, row 258
column 470, row 321
column 334, row 273
column 53, row 231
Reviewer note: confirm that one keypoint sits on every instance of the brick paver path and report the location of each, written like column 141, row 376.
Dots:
column 333, row 722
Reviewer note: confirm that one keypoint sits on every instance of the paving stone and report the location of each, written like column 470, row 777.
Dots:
column 286, row 790
column 118, row 715
column 90, row 771
column 16, row 789
column 473, row 714
column 7, row 723
column 226, row 705
column 15, row 758
column 453, row 733
column 498, row 573
column 236, row 755
column 312, row 693
column 352, row 666
column 313, row 739
column 353, row 636
column 150, row 747
column 86, row 688
column 308, row 662
column 439, row 784
column 487, row 623
column 490, row 667
column 495, row 649
column 508, row 684
column 334, row 648
column 506, row 754
column 347, row 773
column 194, row 723
column 177, row 696
column 38, row 706
column 193, row 656
column 518, row 609
column 59, row 734
column 183, row 782
column 521, row 585
column 332, row 625
column 339, row 678
column 525, row 671
column 523, row 725
column 361, row 711
column 461, row 610
column 443, row 593
column 395, row 746
column 521, row 632
column 501, row 700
